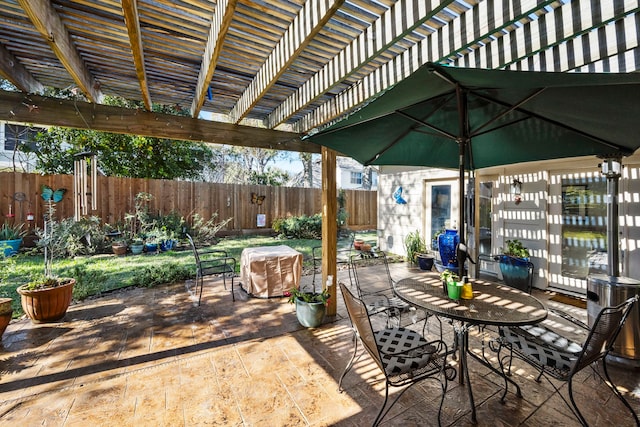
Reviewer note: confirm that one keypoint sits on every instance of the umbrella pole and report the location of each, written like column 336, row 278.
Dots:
column 462, row 143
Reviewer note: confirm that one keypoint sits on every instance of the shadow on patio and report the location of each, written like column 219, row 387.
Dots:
column 151, row 357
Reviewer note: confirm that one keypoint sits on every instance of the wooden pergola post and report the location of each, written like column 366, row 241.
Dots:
column 329, row 225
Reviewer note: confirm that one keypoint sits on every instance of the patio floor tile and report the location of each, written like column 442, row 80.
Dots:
column 151, row 357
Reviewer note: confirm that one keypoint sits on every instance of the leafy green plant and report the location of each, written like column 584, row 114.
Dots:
column 309, row 297
column 12, row 232
column 516, row 249
column 73, row 238
column 206, row 231
column 342, row 213
column 414, row 244
column 160, row 274
column 88, row 282
column 449, row 276
column 299, row 227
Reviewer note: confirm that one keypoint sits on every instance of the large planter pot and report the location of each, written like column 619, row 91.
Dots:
column 310, row 314
column 167, row 245
column 447, row 244
column 425, row 262
column 137, row 249
column 119, row 249
column 10, row 247
column 49, row 304
column 516, row 272
column 5, row 314
column 151, row 247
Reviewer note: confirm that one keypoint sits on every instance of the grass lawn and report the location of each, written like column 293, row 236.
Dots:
column 102, row 273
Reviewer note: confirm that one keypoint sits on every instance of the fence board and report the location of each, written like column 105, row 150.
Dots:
column 116, row 196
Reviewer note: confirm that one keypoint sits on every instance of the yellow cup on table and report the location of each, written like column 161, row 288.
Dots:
column 467, row 291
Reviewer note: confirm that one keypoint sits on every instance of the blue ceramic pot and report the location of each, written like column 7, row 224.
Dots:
column 10, row 247
column 516, row 272
column 447, row 244
column 151, row 247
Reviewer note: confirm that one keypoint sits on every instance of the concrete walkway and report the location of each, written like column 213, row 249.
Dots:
column 151, row 357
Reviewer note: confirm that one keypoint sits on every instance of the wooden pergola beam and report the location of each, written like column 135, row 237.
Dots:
column 220, row 24
column 307, row 24
column 33, row 109
column 12, row 70
column 47, row 21
column 380, row 36
column 132, row 20
column 448, row 40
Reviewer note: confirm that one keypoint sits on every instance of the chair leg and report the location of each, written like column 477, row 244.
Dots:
column 199, row 278
column 233, row 293
column 617, row 392
column 350, row 364
column 575, row 409
column 384, row 404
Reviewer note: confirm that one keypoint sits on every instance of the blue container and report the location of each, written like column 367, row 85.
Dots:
column 151, row 247
column 10, row 247
column 447, row 244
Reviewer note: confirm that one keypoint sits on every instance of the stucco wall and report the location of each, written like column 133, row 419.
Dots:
column 536, row 220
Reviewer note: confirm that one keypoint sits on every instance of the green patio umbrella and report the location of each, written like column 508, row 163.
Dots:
column 465, row 118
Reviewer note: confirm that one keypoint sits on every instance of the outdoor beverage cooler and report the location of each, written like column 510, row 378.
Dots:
column 604, row 290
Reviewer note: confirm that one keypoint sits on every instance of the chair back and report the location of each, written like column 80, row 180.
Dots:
column 604, row 332
column 361, row 323
column 357, row 262
column 193, row 248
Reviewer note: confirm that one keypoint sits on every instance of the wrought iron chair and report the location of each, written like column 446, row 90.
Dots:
column 209, row 263
column 382, row 300
column 343, row 254
column 560, row 358
column 404, row 356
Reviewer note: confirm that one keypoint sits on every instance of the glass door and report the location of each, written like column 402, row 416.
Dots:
column 442, row 208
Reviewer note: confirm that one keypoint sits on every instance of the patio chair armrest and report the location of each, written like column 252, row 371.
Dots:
column 217, row 252
column 219, row 262
column 569, row 317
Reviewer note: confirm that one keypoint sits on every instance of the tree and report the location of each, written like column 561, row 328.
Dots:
column 122, row 155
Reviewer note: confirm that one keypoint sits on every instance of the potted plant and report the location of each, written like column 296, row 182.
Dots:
column 119, row 247
column 46, row 298
column 310, row 306
column 137, row 246
column 449, row 278
column 11, row 238
column 516, row 269
column 414, row 245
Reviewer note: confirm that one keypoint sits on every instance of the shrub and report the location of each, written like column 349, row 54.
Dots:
column 299, row 227
column 71, row 238
column 204, row 232
column 158, row 275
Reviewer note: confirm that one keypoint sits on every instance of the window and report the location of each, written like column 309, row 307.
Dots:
column 584, row 230
column 16, row 135
column 356, row 178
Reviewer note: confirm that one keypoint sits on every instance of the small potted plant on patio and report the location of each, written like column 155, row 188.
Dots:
column 310, row 306
column 11, row 238
column 417, row 253
column 46, row 298
column 119, row 247
column 137, row 246
column 516, row 269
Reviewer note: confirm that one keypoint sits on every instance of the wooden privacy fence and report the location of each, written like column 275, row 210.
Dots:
column 116, row 197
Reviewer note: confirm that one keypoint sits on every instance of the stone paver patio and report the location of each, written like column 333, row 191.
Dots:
column 150, row 357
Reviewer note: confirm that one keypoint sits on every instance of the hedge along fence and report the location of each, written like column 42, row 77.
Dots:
column 116, row 197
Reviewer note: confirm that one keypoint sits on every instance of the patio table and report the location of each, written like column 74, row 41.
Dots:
column 270, row 271
column 492, row 304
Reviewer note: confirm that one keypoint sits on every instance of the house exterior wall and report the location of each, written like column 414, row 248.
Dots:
column 536, row 220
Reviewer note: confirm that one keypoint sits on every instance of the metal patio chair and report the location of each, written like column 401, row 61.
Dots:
column 343, row 254
column 383, row 300
column 403, row 355
column 560, row 358
column 213, row 262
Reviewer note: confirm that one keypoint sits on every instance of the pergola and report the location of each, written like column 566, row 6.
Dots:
column 265, row 73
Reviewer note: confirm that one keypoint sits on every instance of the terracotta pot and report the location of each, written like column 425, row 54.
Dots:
column 119, row 249
column 357, row 244
column 49, row 304
column 365, row 247
column 5, row 314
